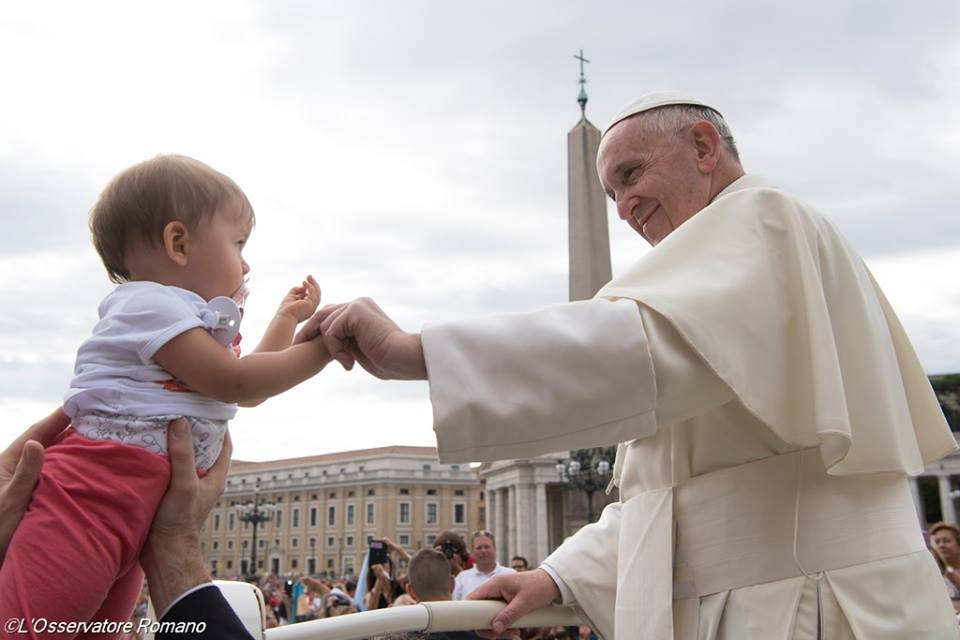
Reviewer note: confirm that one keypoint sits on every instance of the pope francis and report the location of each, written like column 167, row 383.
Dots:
column 767, row 404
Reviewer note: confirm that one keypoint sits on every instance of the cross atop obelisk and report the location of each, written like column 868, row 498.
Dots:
column 587, row 209
column 582, row 98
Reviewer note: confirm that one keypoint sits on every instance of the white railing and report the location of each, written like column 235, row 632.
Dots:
column 425, row 617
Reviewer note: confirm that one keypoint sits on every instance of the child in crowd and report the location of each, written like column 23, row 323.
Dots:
column 170, row 232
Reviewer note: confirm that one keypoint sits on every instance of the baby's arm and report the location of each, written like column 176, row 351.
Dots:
column 299, row 304
column 198, row 360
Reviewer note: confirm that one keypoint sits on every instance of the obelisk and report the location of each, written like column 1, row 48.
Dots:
column 587, row 209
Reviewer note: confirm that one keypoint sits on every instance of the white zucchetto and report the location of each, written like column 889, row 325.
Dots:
column 653, row 101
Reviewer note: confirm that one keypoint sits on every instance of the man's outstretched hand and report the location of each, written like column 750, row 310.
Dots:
column 20, row 469
column 523, row 592
column 360, row 331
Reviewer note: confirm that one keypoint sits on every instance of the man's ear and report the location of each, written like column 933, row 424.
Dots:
column 176, row 242
column 411, row 592
column 708, row 145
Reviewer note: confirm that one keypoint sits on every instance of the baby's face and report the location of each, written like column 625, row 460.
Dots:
column 216, row 266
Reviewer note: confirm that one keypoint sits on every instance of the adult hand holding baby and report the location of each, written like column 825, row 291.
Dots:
column 20, row 469
column 171, row 557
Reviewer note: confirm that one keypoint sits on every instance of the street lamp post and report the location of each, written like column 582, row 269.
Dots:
column 255, row 513
column 587, row 470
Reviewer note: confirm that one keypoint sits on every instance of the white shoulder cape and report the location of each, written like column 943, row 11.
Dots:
column 773, row 299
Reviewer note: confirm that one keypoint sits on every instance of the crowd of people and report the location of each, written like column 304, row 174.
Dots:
column 446, row 571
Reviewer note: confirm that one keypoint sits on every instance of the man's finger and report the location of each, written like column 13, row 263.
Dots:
column 212, row 484
column 488, row 590
column 308, row 331
column 44, row 432
column 311, row 328
column 25, row 477
column 217, row 474
column 334, row 331
column 364, row 361
column 49, row 428
column 180, row 448
column 331, row 314
column 510, row 614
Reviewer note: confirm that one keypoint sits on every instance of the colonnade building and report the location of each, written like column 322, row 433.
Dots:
column 327, row 508
column 322, row 511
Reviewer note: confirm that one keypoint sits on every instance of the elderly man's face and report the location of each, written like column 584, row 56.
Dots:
column 654, row 178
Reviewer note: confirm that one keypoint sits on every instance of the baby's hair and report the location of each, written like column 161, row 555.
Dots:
column 139, row 202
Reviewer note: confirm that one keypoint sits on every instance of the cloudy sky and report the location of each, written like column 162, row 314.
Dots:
column 415, row 152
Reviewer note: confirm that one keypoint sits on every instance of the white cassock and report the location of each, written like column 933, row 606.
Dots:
column 769, row 408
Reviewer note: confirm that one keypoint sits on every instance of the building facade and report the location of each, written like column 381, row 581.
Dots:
column 531, row 510
column 935, row 491
column 322, row 511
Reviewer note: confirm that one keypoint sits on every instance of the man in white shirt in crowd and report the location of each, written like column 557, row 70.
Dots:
column 485, row 565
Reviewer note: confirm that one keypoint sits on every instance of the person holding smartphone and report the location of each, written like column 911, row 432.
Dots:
column 382, row 577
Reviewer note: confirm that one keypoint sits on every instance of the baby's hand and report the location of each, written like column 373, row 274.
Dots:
column 302, row 301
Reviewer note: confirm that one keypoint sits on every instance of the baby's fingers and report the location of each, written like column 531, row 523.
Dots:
column 312, row 288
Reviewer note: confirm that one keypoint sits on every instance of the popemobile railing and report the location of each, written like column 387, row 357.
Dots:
column 426, row 617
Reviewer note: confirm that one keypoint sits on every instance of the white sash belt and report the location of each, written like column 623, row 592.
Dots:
column 783, row 517
column 760, row 522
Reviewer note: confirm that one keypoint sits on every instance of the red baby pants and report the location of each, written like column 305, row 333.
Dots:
column 75, row 555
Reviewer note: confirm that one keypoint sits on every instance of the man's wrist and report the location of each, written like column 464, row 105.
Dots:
column 562, row 592
column 172, row 568
column 418, row 362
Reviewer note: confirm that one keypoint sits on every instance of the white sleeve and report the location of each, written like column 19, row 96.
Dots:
column 569, row 376
column 686, row 386
column 458, row 588
column 146, row 318
column 586, row 565
column 583, row 374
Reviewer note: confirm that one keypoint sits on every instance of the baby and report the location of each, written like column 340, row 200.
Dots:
column 171, row 233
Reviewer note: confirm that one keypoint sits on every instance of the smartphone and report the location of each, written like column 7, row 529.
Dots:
column 378, row 552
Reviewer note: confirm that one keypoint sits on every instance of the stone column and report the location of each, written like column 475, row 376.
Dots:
column 542, row 525
column 526, row 517
column 502, row 521
column 512, row 522
column 947, row 509
column 917, row 503
column 492, row 520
